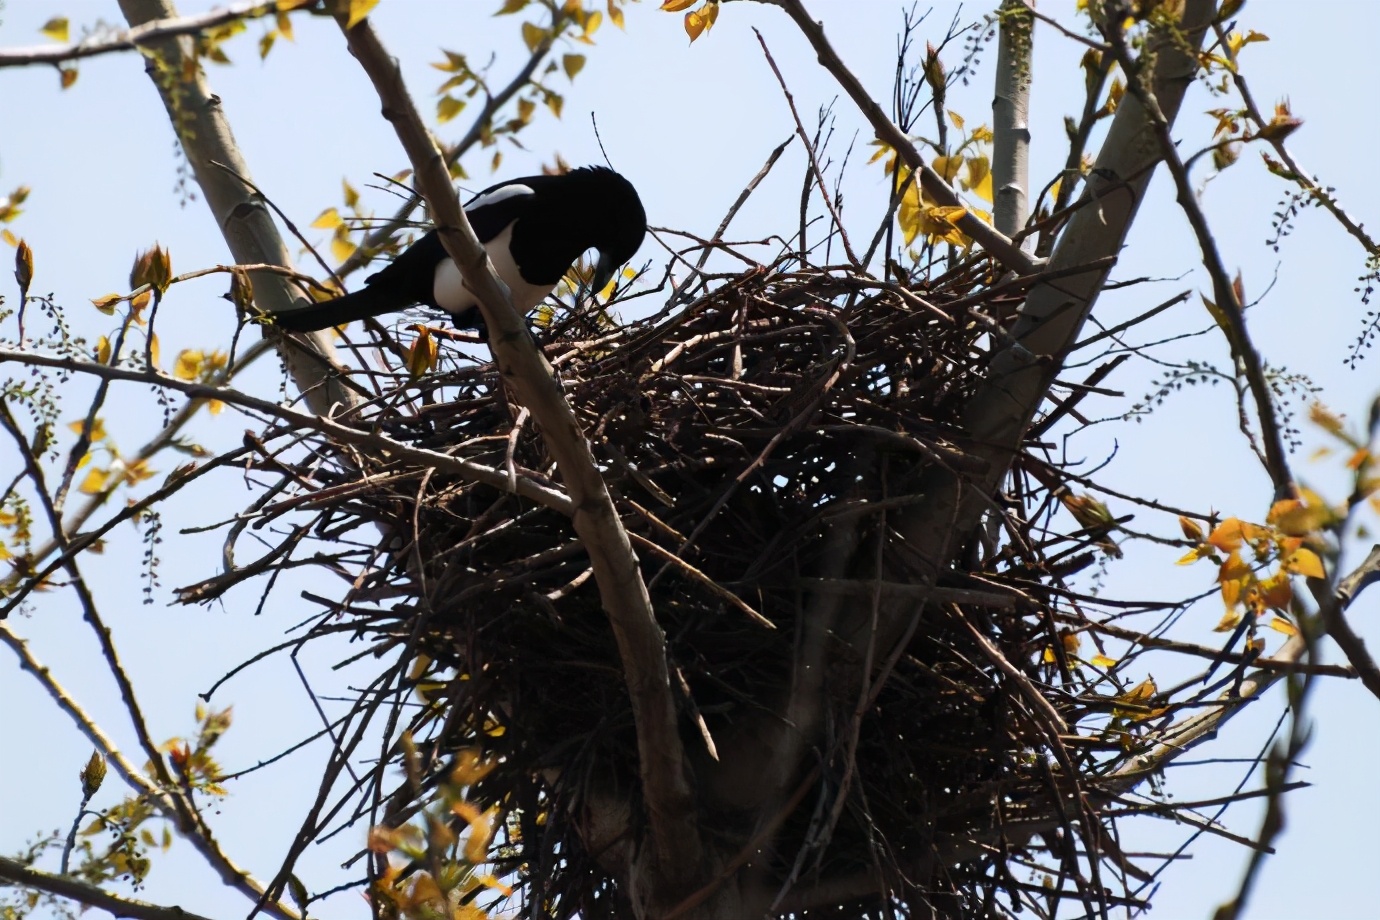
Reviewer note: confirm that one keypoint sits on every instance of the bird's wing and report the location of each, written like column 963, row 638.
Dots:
column 494, row 209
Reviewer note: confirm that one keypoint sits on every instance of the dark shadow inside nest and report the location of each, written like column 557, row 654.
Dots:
column 734, row 435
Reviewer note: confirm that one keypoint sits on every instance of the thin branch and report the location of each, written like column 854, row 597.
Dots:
column 382, row 233
column 989, row 238
column 131, row 39
column 526, row 487
column 642, row 645
column 199, row 837
column 809, row 151
column 1227, row 295
column 11, row 870
column 1300, row 177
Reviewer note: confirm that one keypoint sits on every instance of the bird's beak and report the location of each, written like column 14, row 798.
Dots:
column 604, row 271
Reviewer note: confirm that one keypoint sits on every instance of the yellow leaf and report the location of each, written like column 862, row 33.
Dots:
column 1191, row 529
column 266, row 43
column 5, row 554
column 675, row 6
column 956, row 118
column 284, row 22
column 97, row 428
column 471, row 766
column 1304, row 561
column 1102, row 661
column 67, row 76
column 1327, row 420
column 533, row 35
column 1298, row 519
column 153, row 349
column 1277, row 591
column 1201, row 551
column 695, row 24
column 511, row 6
column 555, row 102
column 9, row 238
column 421, row 357
column 188, row 364
column 329, row 219
column 593, row 20
column 481, row 832
column 1230, row 620
column 351, row 194
column 947, row 167
column 615, row 13
column 1140, row 693
column 1281, row 625
column 447, row 107
column 103, row 350
column 358, row 10
column 572, row 64
column 106, row 303
column 94, row 483
column 341, row 247
column 979, row 180
column 1227, row 535
column 56, row 28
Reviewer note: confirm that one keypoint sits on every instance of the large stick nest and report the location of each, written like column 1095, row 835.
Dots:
column 734, row 431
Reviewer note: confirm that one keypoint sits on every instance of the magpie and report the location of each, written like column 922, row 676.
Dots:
column 533, row 229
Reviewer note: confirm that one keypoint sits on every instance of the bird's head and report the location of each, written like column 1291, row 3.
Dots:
column 620, row 223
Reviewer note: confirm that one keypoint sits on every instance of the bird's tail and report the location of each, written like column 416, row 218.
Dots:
column 372, row 300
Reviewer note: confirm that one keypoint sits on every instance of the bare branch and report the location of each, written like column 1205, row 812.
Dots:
column 16, row 872
column 641, row 643
column 129, row 40
column 1228, row 297
column 1053, row 314
column 986, row 236
column 199, row 836
column 526, row 487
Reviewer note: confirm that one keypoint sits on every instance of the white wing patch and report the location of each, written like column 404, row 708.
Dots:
column 500, row 194
column 448, row 286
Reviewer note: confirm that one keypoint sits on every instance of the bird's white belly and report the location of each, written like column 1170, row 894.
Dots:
column 448, row 286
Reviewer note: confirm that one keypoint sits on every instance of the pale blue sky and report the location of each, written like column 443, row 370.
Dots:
column 689, row 126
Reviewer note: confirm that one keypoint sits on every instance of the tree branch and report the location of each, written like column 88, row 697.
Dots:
column 1010, row 118
column 641, row 643
column 12, row 870
column 989, row 238
column 199, row 837
column 129, row 40
column 524, row 486
column 204, row 132
column 380, row 234
column 1000, row 412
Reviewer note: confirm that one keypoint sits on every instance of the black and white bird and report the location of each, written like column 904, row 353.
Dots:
column 533, row 229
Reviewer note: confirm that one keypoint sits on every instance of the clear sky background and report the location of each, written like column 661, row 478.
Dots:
column 689, row 126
